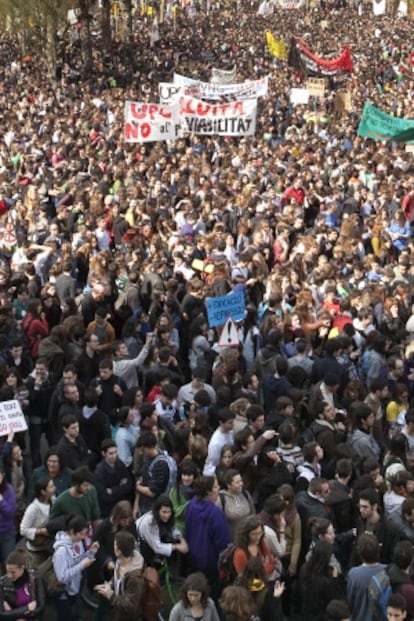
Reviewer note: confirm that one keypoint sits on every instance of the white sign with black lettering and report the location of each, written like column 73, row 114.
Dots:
column 11, row 418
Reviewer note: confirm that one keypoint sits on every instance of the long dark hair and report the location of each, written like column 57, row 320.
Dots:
column 319, row 563
column 3, row 482
column 40, row 486
column 122, row 510
column 242, row 535
column 186, row 467
column 195, row 582
column 195, row 327
column 165, row 528
column 75, row 523
column 182, row 437
column 203, row 486
column 237, row 603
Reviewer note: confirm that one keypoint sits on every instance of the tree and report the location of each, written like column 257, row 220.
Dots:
column 85, row 18
column 129, row 22
column 36, row 24
column 106, row 24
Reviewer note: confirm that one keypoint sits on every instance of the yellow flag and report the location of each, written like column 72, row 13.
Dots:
column 277, row 47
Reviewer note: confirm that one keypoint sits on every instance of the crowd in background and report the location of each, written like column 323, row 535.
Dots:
column 276, row 476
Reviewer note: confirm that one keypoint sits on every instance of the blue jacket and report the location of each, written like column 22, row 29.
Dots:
column 207, row 534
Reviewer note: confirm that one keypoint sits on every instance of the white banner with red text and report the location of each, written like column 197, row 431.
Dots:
column 147, row 122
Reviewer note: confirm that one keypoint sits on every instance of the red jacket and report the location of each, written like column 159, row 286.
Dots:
column 35, row 330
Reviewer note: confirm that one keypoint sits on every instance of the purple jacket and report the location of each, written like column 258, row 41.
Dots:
column 7, row 512
column 207, row 534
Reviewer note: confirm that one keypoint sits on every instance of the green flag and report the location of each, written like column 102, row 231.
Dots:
column 379, row 125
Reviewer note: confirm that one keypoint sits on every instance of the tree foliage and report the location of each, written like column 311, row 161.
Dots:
column 36, row 24
column 40, row 24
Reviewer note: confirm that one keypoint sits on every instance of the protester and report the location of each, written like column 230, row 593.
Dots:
column 8, row 514
column 306, row 218
column 126, row 591
column 206, row 528
column 21, row 589
column 35, row 519
column 158, row 536
column 69, row 561
column 194, row 602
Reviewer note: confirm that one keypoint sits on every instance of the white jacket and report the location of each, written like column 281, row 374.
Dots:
column 35, row 516
column 147, row 529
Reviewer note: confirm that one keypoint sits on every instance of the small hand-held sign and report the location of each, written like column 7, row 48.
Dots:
column 229, row 336
column 11, row 418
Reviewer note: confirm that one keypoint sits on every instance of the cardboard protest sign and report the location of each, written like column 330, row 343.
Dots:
column 409, row 148
column 315, row 87
column 150, row 122
column 234, row 118
column 11, row 418
column 219, row 309
column 342, row 102
column 229, row 336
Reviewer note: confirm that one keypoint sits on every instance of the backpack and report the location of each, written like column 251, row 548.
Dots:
column 53, row 587
column 226, row 571
column 379, row 591
column 308, row 434
column 172, row 467
column 152, row 597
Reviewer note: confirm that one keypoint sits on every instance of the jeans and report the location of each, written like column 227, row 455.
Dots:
column 35, row 433
column 67, row 608
column 7, row 545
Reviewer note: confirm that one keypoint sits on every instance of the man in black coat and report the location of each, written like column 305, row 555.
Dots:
column 113, row 480
column 312, row 503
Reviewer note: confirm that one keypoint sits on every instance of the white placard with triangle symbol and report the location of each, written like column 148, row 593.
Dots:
column 229, row 336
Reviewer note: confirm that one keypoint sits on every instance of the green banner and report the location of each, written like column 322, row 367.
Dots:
column 379, row 125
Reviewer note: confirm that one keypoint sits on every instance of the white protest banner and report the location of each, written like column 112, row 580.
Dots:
column 233, row 118
column 150, row 122
column 72, row 17
column 223, row 76
column 409, row 148
column 168, row 92
column 265, row 8
column 316, row 87
column 182, row 80
column 299, row 96
column 289, row 4
column 402, row 8
column 379, row 7
column 205, row 90
column 11, row 418
column 155, row 32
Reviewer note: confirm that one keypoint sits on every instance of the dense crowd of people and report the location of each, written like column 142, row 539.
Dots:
column 272, row 479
